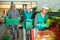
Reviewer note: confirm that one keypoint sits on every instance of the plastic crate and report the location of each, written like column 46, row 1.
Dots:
column 12, row 21
column 42, row 35
column 6, row 37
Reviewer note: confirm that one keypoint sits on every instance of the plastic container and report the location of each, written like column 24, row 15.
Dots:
column 6, row 37
column 42, row 35
column 12, row 21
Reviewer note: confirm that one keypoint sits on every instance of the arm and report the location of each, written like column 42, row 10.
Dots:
column 32, row 15
column 9, row 14
column 18, row 15
column 44, row 25
column 35, row 21
column 24, row 15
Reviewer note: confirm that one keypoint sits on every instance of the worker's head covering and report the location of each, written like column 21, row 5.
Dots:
column 28, row 6
column 45, row 6
column 12, row 5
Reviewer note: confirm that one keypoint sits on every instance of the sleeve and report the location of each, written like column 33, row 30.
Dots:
column 9, row 14
column 24, row 15
column 18, row 15
column 32, row 15
column 35, row 21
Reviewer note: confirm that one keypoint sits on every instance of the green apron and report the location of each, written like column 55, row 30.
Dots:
column 28, row 22
column 28, row 15
column 41, row 25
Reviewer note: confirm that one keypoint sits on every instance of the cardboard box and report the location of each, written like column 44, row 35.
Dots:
column 2, row 19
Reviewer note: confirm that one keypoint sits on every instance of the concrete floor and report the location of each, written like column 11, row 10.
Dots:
column 9, row 32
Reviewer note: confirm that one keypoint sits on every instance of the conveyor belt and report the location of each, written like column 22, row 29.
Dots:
column 54, row 14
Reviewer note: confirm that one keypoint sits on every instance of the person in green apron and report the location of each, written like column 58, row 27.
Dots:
column 40, row 18
column 14, row 14
column 28, row 15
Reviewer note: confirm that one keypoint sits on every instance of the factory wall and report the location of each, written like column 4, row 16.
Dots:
column 54, row 4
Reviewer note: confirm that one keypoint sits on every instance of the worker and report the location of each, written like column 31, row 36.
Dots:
column 28, row 15
column 41, row 18
column 14, row 14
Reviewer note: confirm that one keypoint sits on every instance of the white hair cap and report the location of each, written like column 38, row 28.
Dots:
column 45, row 6
column 28, row 6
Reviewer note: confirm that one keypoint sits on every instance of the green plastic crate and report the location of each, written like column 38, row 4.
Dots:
column 6, row 37
column 12, row 21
